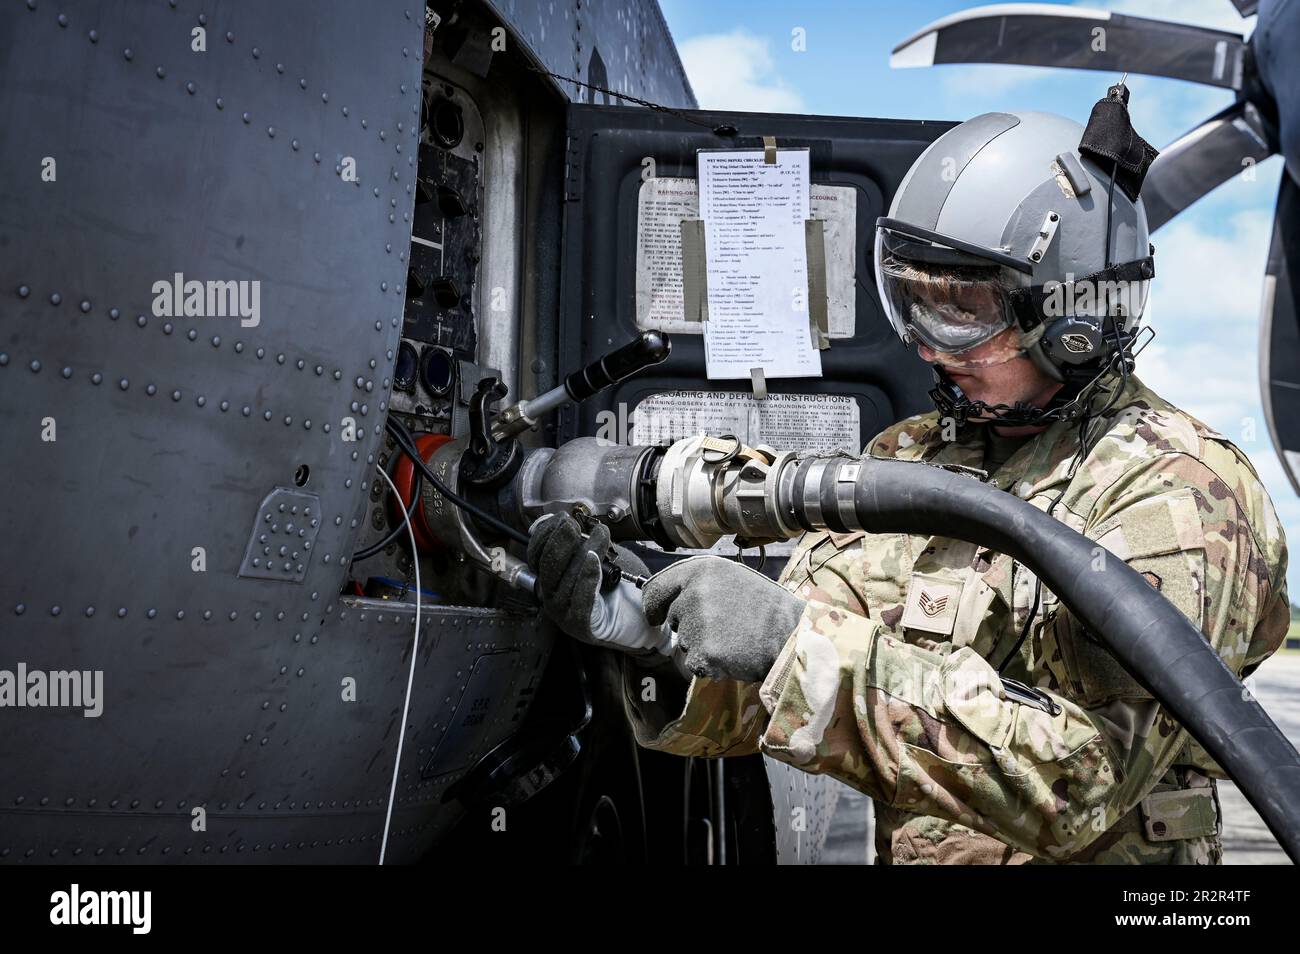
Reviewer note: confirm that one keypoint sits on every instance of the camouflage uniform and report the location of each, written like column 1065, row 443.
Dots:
column 886, row 683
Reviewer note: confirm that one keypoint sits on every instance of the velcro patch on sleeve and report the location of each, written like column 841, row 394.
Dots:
column 1166, row 524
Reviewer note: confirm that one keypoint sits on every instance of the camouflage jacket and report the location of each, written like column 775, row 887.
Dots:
column 889, row 684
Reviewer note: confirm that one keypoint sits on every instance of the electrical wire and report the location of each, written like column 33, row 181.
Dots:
column 410, row 678
column 657, row 107
column 406, row 443
column 393, row 534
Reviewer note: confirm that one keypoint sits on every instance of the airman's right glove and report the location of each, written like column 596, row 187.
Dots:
column 568, row 567
column 731, row 621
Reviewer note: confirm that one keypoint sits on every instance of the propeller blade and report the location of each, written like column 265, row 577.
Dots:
column 1040, row 34
column 1202, row 160
column 1279, row 346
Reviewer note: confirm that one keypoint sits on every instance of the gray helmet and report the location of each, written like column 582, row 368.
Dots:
column 1008, row 200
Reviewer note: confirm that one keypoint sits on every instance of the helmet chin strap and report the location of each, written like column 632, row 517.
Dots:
column 1066, row 404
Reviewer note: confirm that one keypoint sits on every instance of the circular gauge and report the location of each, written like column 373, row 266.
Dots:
column 446, row 124
column 437, row 371
column 406, row 367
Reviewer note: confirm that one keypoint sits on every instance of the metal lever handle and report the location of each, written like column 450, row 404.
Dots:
column 646, row 350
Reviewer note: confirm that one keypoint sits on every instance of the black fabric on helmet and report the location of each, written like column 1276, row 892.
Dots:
column 1110, row 140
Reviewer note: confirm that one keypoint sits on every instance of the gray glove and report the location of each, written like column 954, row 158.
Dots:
column 569, row 576
column 731, row 621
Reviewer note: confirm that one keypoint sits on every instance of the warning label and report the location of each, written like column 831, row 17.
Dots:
column 662, row 205
column 810, row 423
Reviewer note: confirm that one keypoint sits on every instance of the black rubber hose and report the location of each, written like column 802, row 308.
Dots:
column 406, row 443
column 1159, row 646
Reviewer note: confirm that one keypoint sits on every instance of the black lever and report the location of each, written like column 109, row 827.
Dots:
column 646, row 350
column 489, row 462
column 480, row 431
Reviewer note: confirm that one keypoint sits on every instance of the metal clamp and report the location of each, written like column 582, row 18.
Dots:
column 1029, row 696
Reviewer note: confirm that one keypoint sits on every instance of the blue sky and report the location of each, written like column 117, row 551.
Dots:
column 1210, row 260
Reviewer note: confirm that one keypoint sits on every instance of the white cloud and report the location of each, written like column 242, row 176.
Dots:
column 1217, row 276
column 992, row 79
column 736, row 71
column 1215, row 385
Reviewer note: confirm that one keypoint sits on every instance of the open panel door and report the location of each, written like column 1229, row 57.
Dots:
column 623, row 160
column 1279, row 346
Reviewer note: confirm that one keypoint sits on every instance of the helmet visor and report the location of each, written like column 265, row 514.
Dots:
column 950, row 298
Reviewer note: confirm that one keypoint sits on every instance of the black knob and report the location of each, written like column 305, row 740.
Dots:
column 446, row 292
column 415, row 284
column 450, row 203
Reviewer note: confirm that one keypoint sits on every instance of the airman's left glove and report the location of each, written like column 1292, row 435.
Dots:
column 731, row 621
column 567, row 564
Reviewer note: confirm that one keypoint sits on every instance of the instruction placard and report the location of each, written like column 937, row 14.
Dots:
column 663, row 203
column 757, row 263
column 810, row 423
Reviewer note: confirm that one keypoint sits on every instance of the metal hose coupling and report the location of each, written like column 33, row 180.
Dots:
column 711, row 487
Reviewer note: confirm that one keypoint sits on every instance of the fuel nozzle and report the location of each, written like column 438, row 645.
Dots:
column 492, row 456
column 610, row 572
column 646, row 350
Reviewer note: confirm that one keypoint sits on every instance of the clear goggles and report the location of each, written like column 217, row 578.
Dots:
column 948, row 295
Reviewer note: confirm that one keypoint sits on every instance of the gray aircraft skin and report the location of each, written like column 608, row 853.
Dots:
column 395, row 203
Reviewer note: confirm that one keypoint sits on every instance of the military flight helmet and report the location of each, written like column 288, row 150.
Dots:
column 1011, row 220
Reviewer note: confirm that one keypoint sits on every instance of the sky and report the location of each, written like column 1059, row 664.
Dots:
column 1204, row 303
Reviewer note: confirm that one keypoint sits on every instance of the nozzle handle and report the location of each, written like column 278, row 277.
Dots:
column 646, row 350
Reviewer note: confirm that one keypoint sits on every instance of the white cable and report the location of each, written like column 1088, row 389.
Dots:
column 410, row 678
